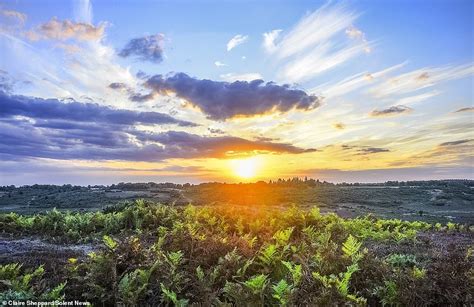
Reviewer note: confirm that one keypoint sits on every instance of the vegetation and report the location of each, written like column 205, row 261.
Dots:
column 152, row 254
column 430, row 201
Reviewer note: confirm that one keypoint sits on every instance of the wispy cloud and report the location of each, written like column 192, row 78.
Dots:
column 236, row 40
column 324, row 57
column 315, row 28
column 467, row 109
column 231, row 77
column 83, row 11
column 454, row 143
column 219, row 64
column 317, row 43
column 269, row 39
column 18, row 16
column 66, row 29
column 410, row 100
column 354, row 82
column 421, row 78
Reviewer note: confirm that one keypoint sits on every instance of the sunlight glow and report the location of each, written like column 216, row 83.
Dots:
column 244, row 168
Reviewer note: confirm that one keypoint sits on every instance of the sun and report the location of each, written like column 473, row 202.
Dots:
column 244, row 168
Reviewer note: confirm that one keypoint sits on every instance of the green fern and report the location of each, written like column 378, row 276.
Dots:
column 268, row 255
column 109, row 242
column 351, row 247
column 257, row 283
column 282, row 292
column 295, row 271
column 170, row 296
column 282, row 237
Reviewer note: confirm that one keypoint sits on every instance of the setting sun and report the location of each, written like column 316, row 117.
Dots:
column 245, row 168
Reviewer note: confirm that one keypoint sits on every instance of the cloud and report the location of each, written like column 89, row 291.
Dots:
column 314, row 29
column 6, row 82
column 354, row 82
column 457, row 153
column 219, row 64
column 354, row 33
column 454, row 143
column 420, row 79
column 65, row 30
column 147, row 48
column 215, row 131
column 466, row 109
column 339, row 126
column 236, row 40
column 417, row 98
column 269, row 39
column 231, row 77
column 223, row 100
column 83, row 11
column 118, row 86
column 392, row 111
column 363, row 150
column 316, row 44
column 138, row 97
column 55, row 133
column 188, row 145
column 322, row 58
column 53, row 109
column 20, row 17
column 69, row 48
column 372, row 150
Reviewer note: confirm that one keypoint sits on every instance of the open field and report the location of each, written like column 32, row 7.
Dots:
column 289, row 243
column 431, row 201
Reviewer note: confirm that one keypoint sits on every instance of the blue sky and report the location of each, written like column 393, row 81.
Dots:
column 372, row 87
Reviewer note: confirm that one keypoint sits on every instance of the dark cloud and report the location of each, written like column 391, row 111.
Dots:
column 38, row 108
column 265, row 139
column 454, row 143
column 21, row 139
column 372, row 150
column 142, row 75
column 6, row 82
column 137, row 97
column 339, row 126
column 192, row 145
column 216, row 131
column 363, row 150
column 392, row 111
column 467, row 109
column 224, row 100
column 147, row 48
column 38, row 128
column 118, row 86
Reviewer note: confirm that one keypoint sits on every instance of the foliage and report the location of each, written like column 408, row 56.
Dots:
column 152, row 254
column 19, row 284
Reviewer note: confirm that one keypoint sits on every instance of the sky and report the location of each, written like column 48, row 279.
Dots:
column 235, row 91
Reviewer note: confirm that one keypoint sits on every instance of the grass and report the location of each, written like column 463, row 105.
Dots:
column 152, row 254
